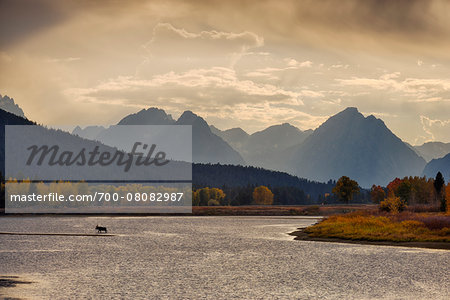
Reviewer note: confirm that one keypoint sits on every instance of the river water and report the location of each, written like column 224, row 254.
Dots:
column 208, row 258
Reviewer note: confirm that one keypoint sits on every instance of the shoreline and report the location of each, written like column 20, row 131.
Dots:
column 301, row 235
column 57, row 234
column 247, row 210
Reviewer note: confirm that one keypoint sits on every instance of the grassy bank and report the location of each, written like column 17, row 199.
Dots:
column 248, row 210
column 373, row 226
column 275, row 210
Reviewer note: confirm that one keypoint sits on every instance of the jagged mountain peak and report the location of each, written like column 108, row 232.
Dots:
column 150, row 116
column 190, row 118
column 362, row 148
column 8, row 104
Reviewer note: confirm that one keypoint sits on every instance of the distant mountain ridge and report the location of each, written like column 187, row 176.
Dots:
column 350, row 144
column 203, row 174
column 263, row 148
column 432, row 150
column 438, row 165
column 150, row 116
column 89, row 132
column 206, row 146
column 8, row 104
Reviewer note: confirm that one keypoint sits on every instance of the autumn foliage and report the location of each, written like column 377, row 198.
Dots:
column 345, row 189
column 262, row 195
column 393, row 204
column 403, row 227
column 377, row 194
column 412, row 191
column 208, row 197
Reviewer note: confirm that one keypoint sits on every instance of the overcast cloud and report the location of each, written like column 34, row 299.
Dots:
column 236, row 63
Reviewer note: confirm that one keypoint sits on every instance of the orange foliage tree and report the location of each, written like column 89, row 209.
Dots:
column 377, row 194
column 262, row 195
column 393, row 186
column 413, row 190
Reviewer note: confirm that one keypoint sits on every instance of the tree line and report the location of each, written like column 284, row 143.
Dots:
column 419, row 193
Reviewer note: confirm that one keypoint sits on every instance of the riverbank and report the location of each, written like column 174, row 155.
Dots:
column 248, row 210
column 373, row 228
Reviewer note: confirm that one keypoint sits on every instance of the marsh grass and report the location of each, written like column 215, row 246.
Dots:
column 376, row 226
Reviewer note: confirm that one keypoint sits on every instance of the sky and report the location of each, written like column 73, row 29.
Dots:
column 248, row 64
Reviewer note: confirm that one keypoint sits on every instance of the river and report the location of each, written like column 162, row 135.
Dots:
column 208, row 258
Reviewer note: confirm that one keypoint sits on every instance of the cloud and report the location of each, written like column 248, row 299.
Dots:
column 19, row 19
column 292, row 63
column 420, row 87
column 251, row 65
column 210, row 40
column 175, row 49
column 195, row 87
column 62, row 60
column 339, row 66
column 435, row 129
column 5, row 57
column 249, row 104
column 254, row 117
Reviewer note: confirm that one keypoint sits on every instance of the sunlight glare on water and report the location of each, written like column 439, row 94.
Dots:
column 209, row 257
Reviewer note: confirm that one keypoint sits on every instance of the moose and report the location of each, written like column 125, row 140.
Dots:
column 100, row 229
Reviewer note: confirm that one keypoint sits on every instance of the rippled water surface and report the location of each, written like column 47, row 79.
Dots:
column 209, row 258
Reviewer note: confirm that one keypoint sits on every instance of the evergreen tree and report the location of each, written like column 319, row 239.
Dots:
column 438, row 184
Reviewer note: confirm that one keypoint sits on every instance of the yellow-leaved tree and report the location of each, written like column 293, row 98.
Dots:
column 262, row 195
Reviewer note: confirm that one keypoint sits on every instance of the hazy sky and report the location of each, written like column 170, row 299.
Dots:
column 236, row 63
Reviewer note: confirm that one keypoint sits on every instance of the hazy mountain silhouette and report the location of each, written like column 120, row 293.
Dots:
column 150, row 116
column 38, row 135
column 206, row 146
column 438, row 165
column 432, row 150
column 89, row 132
column 264, row 148
column 236, row 137
column 7, row 104
column 276, row 137
column 7, row 118
column 352, row 145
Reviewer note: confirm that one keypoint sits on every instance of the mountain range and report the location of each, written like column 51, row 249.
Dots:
column 360, row 147
column 438, row 165
column 264, row 148
column 433, row 150
column 206, row 146
column 203, row 175
column 348, row 143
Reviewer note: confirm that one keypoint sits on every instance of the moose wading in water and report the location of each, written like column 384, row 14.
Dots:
column 100, row 229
